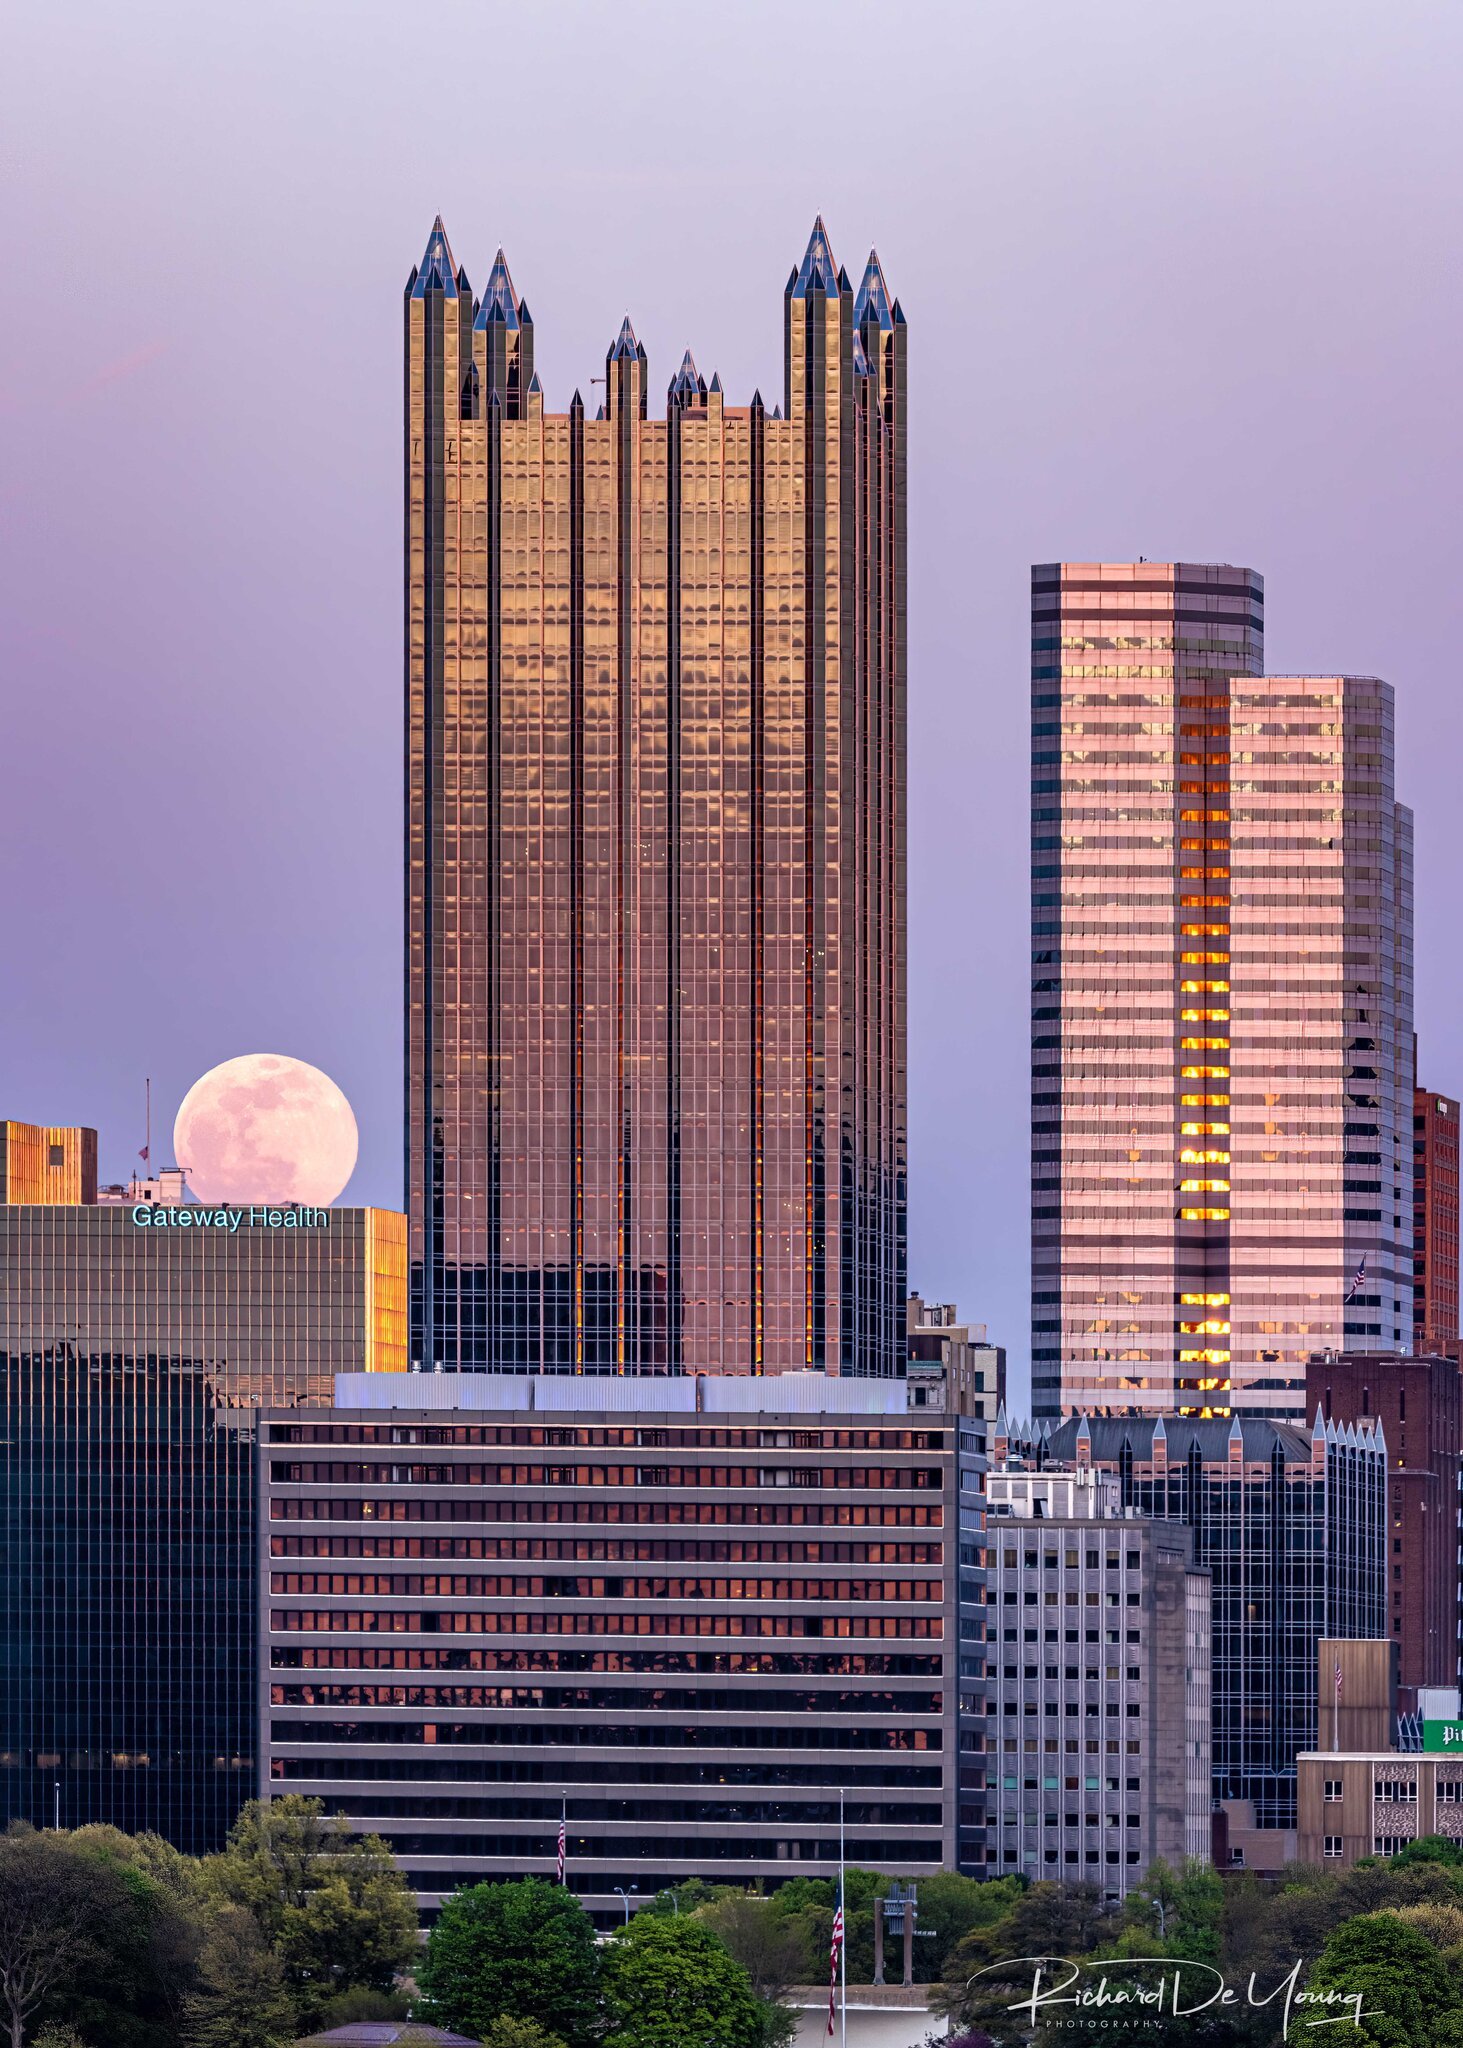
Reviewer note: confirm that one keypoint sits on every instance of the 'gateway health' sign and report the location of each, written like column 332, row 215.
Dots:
column 148, row 1216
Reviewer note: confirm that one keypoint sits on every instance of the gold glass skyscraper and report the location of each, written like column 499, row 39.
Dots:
column 1221, row 1002
column 655, row 846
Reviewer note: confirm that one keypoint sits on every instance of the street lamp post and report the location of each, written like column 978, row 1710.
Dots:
column 626, row 1898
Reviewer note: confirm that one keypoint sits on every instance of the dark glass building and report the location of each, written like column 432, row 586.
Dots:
column 137, row 1345
column 1293, row 1528
column 655, row 876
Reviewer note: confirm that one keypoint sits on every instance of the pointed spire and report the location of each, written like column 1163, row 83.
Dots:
column 525, row 318
column 626, row 345
column 1236, row 1434
column 1318, row 1427
column 687, row 385
column 536, row 390
column 872, row 303
column 860, row 360
column 818, row 271
column 1160, row 1434
column 436, row 272
column 715, row 384
column 500, row 301
column 1379, row 1437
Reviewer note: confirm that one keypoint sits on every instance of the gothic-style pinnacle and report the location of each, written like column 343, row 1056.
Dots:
column 626, row 345
column 436, row 272
column 818, row 271
column 500, row 301
column 872, row 303
column 687, row 384
column 535, row 388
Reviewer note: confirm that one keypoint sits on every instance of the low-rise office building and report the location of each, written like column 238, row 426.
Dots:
column 692, row 1615
column 1361, row 1791
column 138, row 1343
column 1098, row 1712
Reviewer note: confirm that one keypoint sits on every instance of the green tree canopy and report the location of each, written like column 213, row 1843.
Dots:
column 773, row 1948
column 507, row 2032
column 330, row 1903
column 58, row 1907
column 1402, row 1988
column 525, row 1949
column 242, row 1999
column 673, row 1984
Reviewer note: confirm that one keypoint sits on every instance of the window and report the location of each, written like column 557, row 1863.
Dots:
column 57, row 1155
column 1450, row 1788
column 1333, row 1790
column 1394, row 1789
column 1389, row 1845
column 1332, row 1845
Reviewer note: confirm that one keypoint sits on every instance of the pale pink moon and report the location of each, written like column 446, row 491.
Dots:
column 264, row 1128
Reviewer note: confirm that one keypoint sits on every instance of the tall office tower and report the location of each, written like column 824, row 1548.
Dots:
column 47, row 1163
column 138, row 1343
column 655, row 968
column 1221, row 1002
column 1434, row 1221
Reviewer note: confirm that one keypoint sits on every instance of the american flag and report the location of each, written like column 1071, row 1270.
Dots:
column 837, row 1944
column 561, row 1848
column 1357, row 1283
column 1338, row 1677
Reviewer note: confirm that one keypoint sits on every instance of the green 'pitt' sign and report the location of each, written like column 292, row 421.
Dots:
column 1443, row 1735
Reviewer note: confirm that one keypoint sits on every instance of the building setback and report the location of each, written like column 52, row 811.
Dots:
column 1292, row 1527
column 1417, row 1402
column 655, row 882
column 1098, row 1696
column 1434, row 1221
column 135, row 1354
column 694, row 1621
column 1221, row 1002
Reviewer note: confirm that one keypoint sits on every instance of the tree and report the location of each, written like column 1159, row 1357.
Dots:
column 242, row 2000
column 507, row 2032
column 331, row 1904
column 53, row 1902
column 1403, row 1990
column 1181, row 1909
column 1430, row 1849
column 525, row 1949
column 771, row 1947
column 672, row 1984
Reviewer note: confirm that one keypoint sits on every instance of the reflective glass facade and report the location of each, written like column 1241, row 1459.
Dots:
column 47, row 1163
column 655, row 969
column 695, row 1630
column 1292, row 1525
column 1221, row 1002
column 134, row 1358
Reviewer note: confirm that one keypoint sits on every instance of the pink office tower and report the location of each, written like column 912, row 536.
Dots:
column 1221, row 1002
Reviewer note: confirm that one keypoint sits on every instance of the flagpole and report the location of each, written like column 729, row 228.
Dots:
column 843, row 1945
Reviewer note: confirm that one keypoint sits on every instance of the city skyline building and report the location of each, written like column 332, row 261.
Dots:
column 138, row 1344
column 1435, row 1246
column 47, row 1163
column 1292, row 1525
column 688, row 1615
column 655, row 878
column 1221, row 1002
column 1098, row 1689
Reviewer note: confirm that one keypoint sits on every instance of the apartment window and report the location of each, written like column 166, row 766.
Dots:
column 1333, row 1790
column 1389, row 1845
column 1450, row 1788
column 1332, row 1846
column 1394, row 1789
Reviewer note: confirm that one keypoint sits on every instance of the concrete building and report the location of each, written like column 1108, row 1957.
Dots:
column 952, row 1363
column 1434, row 1221
column 1418, row 1402
column 1361, row 1793
column 137, row 1346
column 697, row 1611
column 55, row 1163
column 1221, row 1003
column 1097, row 1703
column 656, row 889
column 1292, row 1526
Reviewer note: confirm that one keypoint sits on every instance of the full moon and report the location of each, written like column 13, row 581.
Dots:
column 265, row 1128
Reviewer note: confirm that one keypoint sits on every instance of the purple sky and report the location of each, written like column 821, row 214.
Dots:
column 1182, row 280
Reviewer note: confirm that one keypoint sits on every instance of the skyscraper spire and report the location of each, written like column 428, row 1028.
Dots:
column 625, row 344
column 500, row 301
column 688, row 387
column 818, row 272
column 872, row 302
column 436, row 272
